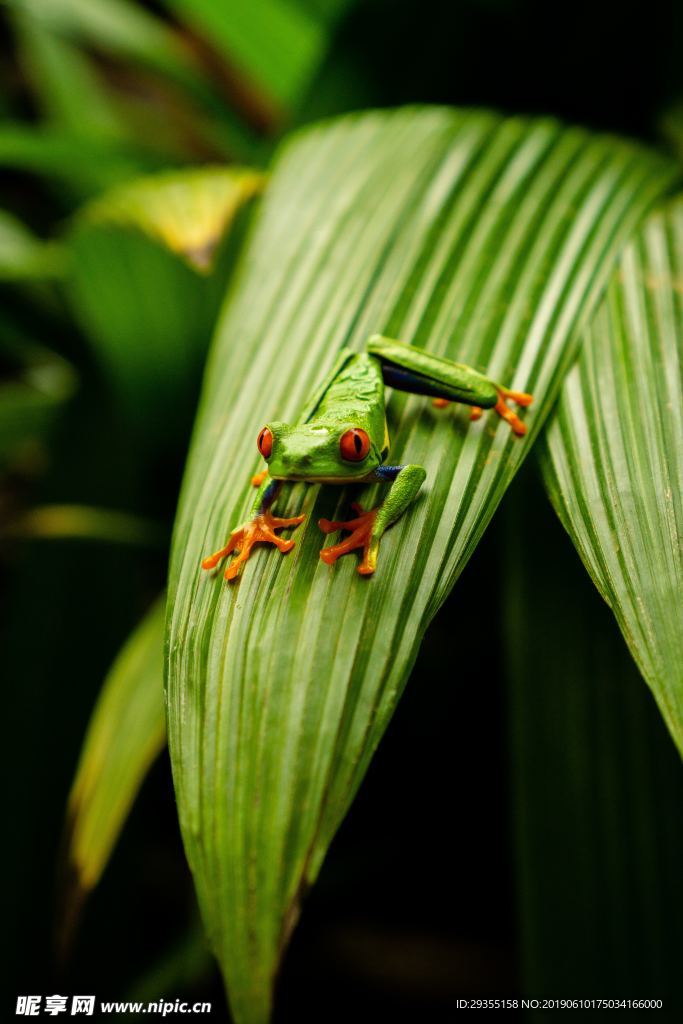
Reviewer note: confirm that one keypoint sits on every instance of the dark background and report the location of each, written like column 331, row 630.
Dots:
column 472, row 862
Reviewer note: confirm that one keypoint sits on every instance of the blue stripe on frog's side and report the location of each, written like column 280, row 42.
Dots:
column 387, row 473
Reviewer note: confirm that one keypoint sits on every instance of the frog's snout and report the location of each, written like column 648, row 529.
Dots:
column 291, row 462
column 288, row 464
column 302, row 453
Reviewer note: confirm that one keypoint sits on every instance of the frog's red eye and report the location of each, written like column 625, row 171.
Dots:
column 354, row 445
column 265, row 443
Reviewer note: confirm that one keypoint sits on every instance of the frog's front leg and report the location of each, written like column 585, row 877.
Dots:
column 367, row 529
column 258, row 530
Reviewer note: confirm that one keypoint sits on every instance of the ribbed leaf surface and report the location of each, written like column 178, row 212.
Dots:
column 614, row 459
column 486, row 240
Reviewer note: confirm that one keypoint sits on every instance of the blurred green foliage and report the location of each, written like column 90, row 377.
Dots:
column 95, row 94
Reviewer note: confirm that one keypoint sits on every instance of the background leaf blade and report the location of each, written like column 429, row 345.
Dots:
column 613, row 455
column 278, row 46
column 126, row 732
column 149, row 265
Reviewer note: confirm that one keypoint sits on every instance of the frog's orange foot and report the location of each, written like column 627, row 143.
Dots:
column 506, row 413
column 261, row 530
column 361, row 537
column 476, row 412
column 258, row 478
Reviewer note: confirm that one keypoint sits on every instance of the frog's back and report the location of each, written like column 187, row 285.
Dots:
column 356, row 395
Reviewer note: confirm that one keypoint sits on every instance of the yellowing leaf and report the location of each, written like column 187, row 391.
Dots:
column 188, row 211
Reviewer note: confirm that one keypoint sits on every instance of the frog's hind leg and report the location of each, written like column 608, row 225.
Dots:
column 492, row 396
column 408, row 368
column 412, row 369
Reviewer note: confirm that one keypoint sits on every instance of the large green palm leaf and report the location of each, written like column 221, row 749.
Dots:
column 483, row 239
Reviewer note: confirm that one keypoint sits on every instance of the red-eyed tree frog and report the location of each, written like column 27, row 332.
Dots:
column 341, row 437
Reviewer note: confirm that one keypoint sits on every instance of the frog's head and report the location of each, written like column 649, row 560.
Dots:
column 317, row 453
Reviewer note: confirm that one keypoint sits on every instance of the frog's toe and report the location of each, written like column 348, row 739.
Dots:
column 211, row 561
column 506, row 413
column 520, row 397
column 277, row 523
column 261, row 530
column 235, row 567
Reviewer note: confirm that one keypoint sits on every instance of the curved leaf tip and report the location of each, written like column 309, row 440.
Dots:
column 613, row 454
column 188, row 211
